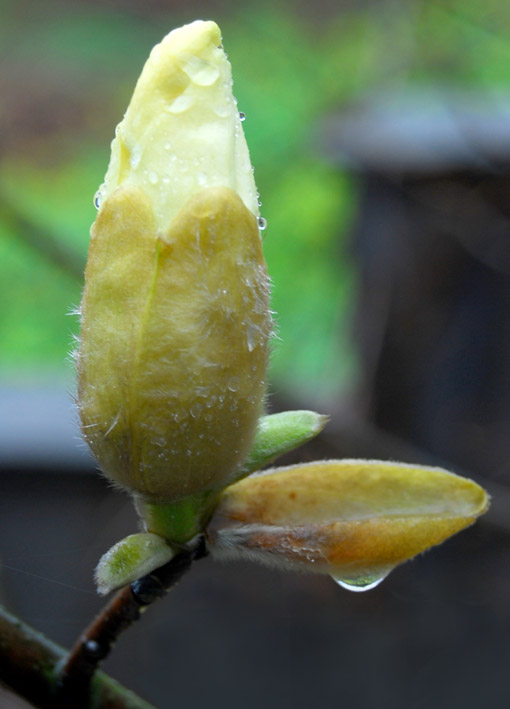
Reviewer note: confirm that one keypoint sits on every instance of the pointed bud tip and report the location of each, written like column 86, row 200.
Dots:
column 280, row 433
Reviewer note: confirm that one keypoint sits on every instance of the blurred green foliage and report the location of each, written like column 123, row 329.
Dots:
column 70, row 72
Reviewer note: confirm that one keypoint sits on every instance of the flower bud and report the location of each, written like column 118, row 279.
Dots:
column 175, row 311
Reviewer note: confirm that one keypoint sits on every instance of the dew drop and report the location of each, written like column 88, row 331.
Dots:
column 196, row 409
column 180, row 104
column 262, row 223
column 98, row 197
column 222, row 110
column 211, row 401
column 365, row 582
column 242, row 116
column 233, row 384
column 208, row 76
column 251, row 337
column 135, row 157
column 153, row 177
column 200, row 72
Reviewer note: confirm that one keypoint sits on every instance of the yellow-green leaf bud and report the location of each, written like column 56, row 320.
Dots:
column 130, row 559
column 353, row 519
column 175, row 312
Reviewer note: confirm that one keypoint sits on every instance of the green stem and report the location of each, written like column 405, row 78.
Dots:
column 177, row 522
column 76, row 683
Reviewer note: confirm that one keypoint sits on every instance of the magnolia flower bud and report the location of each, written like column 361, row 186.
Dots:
column 175, row 311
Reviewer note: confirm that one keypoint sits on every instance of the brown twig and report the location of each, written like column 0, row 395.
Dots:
column 29, row 665
column 94, row 645
column 48, row 677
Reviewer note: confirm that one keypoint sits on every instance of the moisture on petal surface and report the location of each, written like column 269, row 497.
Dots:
column 168, row 325
column 175, row 311
column 182, row 130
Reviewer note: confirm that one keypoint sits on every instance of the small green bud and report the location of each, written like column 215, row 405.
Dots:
column 280, row 433
column 130, row 559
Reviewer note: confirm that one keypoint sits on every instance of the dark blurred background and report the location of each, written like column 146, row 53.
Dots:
column 380, row 136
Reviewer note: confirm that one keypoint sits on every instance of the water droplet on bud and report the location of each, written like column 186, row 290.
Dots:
column 251, row 333
column 242, row 116
column 262, row 223
column 181, row 104
column 221, row 110
column 364, row 582
column 201, row 72
column 233, row 384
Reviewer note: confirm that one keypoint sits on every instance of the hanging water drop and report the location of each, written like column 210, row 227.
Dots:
column 242, row 116
column 364, row 582
column 262, row 223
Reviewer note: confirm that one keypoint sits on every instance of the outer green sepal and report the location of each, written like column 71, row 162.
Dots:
column 177, row 522
column 130, row 559
column 280, row 433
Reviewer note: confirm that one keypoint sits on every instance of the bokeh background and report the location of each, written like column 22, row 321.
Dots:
column 380, row 136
